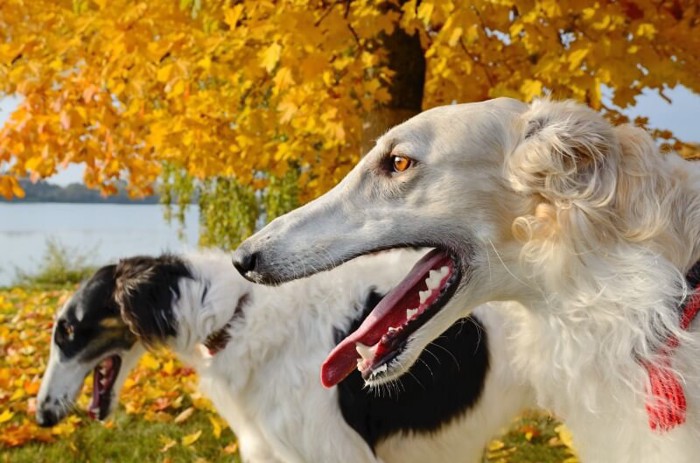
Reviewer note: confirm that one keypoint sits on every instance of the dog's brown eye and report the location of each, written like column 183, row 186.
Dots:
column 65, row 331
column 401, row 163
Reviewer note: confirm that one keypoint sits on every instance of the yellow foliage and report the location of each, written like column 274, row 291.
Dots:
column 214, row 88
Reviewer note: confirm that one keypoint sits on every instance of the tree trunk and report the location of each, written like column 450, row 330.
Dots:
column 406, row 59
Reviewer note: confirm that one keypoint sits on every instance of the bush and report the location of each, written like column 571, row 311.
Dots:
column 60, row 266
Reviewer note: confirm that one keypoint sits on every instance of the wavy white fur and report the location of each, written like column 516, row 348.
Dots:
column 587, row 225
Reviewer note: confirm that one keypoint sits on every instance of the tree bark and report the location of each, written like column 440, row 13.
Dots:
column 406, row 59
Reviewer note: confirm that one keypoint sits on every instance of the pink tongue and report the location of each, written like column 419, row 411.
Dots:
column 343, row 359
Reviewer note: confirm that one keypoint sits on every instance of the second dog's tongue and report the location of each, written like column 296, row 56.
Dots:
column 343, row 359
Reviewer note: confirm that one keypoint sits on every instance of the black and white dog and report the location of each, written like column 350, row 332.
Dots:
column 258, row 350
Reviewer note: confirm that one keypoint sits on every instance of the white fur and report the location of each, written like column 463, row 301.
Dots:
column 587, row 225
column 266, row 384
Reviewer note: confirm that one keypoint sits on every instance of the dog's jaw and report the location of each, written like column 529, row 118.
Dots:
column 104, row 378
column 411, row 304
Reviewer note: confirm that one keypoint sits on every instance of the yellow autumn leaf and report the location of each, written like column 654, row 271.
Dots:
column 33, row 163
column 270, row 56
column 190, row 439
column 150, row 362
column 6, row 415
column 455, row 36
column 531, row 89
column 565, row 437
column 164, row 73
column 169, row 367
column 216, row 426
column 646, row 30
column 232, row 15
column 495, row 445
column 576, row 57
column 17, row 190
column 287, row 110
column 283, row 79
column 18, row 394
column 425, row 11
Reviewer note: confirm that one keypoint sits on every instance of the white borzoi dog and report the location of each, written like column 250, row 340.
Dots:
column 257, row 351
column 585, row 224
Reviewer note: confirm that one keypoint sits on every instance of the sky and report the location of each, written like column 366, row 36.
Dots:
column 682, row 117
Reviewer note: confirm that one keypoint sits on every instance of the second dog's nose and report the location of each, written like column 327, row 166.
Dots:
column 244, row 261
column 46, row 418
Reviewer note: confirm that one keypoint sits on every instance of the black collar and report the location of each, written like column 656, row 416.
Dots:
column 217, row 340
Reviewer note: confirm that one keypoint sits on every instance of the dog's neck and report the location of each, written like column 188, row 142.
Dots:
column 208, row 305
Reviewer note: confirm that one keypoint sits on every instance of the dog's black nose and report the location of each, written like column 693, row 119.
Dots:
column 245, row 261
column 46, row 418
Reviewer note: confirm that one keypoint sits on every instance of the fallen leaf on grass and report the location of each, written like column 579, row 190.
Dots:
column 565, row 435
column 215, row 425
column 530, row 432
column 191, row 438
column 495, row 445
column 168, row 443
column 6, row 416
column 31, row 406
column 109, row 424
column 184, row 415
column 230, row 449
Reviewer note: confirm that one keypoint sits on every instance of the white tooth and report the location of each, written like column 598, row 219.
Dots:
column 364, row 351
column 433, row 282
column 444, row 271
column 392, row 329
column 103, row 382
column 424, row 295
column 410, row 313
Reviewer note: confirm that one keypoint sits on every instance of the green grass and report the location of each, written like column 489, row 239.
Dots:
column 531, row 439
column 130, row 440
column 60, row 266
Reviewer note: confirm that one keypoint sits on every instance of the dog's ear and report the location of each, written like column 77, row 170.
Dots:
column 566, row 153
column 146, row 289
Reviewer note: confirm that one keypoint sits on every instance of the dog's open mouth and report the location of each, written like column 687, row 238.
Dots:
column 104, row 376
column 383, row 334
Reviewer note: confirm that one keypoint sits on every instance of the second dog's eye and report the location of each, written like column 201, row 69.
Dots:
column 401, row 163
column 64, row 332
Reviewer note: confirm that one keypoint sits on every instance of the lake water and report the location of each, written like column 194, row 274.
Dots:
column 105, row 232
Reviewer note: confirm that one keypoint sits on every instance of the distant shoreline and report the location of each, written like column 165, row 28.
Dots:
column 74, row 193
column 24, row 202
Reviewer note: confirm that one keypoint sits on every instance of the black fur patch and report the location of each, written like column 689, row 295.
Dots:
column 80, row 331
column 146, row 288
column 442, row 385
